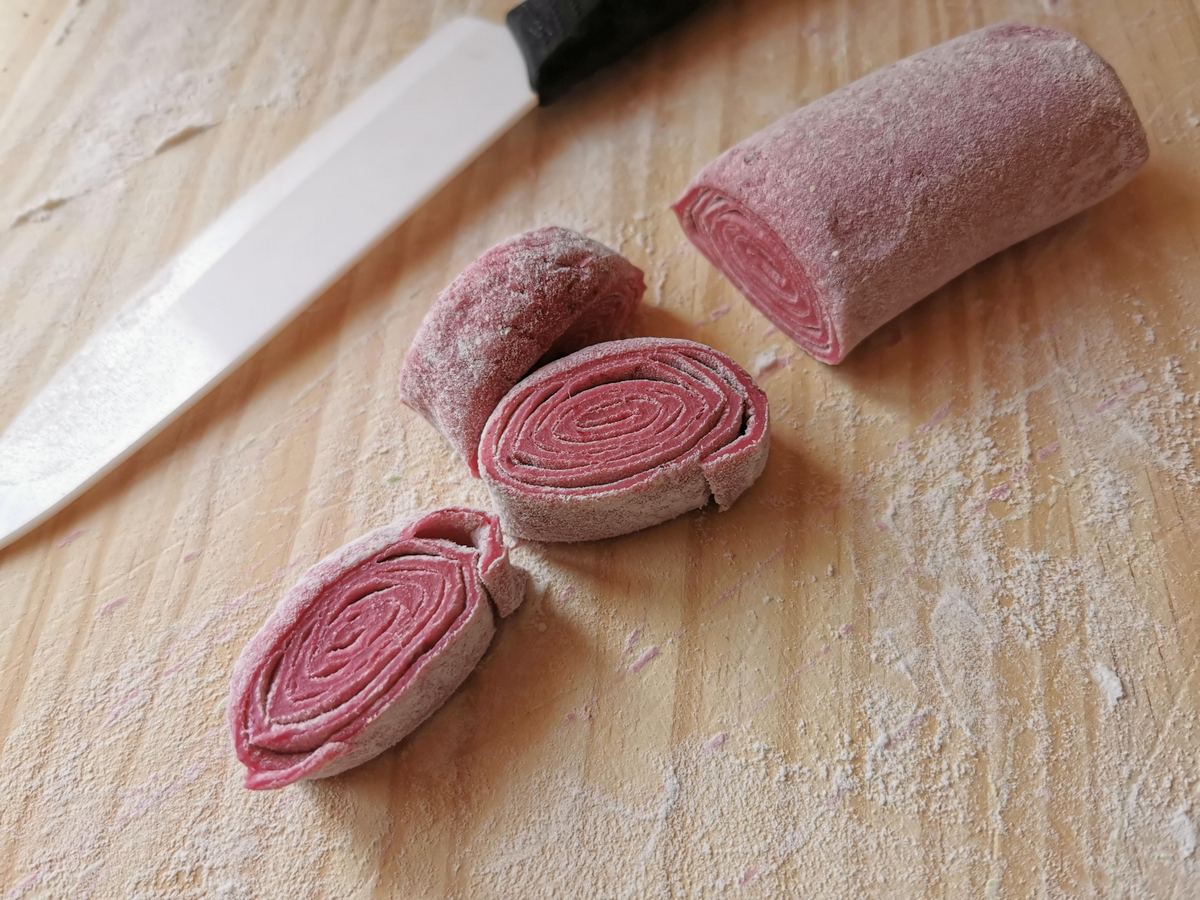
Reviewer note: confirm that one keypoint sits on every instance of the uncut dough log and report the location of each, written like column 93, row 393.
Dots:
column 840, row 216
column 621, row 436
column 533, row 298
column 368, row 644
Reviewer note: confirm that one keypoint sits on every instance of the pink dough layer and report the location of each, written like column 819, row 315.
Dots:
column 371, row 640
column 621, row 436
column 535, row 297
column 845, row 213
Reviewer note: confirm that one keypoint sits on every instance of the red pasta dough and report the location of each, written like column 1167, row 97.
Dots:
column 621, row 436
column 533, row 298
column 372, row 640
column 845, row 213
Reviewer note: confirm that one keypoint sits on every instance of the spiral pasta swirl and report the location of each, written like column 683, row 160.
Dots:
column 371, row 641
column 621, row 436
column 760, row 265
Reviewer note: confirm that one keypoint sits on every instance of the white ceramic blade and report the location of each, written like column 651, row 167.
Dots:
column 261, row 262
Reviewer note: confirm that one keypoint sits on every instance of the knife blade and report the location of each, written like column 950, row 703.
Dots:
column 250, row 272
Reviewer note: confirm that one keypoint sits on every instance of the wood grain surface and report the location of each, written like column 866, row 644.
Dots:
column 947, row 646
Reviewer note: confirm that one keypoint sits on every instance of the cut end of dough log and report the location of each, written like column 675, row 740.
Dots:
column 761, row 266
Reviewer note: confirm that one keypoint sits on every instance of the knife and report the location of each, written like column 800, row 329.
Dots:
column 297, row 231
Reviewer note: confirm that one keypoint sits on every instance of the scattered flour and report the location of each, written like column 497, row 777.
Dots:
column 1110, row 684
column 181, row 74
column 766, row 361
column 1183, row 829
column 945, row 676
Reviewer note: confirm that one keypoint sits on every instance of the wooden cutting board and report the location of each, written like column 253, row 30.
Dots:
column 947, row 645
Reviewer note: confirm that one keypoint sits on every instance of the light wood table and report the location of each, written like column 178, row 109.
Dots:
column 946, row 646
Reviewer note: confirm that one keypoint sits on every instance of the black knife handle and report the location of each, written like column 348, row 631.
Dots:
column 565, row 41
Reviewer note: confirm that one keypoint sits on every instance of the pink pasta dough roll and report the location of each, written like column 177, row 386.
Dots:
column 843, row 214
column 621, row 436
column 372, row 640
column 528, row 300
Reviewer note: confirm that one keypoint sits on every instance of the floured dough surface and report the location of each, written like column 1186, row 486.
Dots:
column 845, row 213
column 530, row 299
